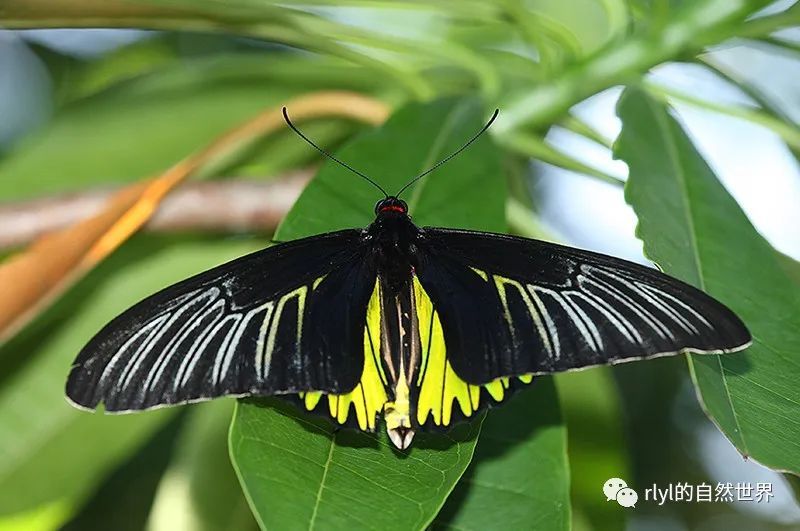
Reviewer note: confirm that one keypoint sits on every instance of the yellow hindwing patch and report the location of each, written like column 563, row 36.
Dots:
column 439, row 386
column 369, row 395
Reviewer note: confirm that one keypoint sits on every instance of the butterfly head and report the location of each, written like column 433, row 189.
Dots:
column 391, row 204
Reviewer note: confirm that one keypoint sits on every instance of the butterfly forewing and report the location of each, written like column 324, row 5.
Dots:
column 512, row 306
column 286, row 319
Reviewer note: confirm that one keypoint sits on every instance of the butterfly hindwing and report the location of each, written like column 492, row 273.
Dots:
column 360, row 406
column 512, row 306
column 442, row 396
column 285, row 319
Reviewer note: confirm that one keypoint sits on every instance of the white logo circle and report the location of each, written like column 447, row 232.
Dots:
column 627, row 497
column 612, row 487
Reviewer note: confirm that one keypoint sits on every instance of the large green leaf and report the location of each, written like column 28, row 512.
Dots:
column 49, row 452
column 297, row 471
column 694, row 229
column 519, row 472
column 300, row 473
column 791, row 266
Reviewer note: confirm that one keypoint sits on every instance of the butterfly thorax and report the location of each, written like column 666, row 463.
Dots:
column 393, row 235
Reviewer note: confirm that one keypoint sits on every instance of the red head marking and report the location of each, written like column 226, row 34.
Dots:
column 391, row 204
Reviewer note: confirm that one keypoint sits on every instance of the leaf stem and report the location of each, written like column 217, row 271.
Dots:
column 763, row 26
column 782, row 45
column 751, row 90
column 618, row 62
column 580, row 127
column 483, row 71
column 534, row 146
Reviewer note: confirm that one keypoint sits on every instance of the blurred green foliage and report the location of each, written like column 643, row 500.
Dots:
column 131, row 113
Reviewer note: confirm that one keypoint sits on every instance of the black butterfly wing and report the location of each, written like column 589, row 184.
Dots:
column 510, row 306
column 287, row 319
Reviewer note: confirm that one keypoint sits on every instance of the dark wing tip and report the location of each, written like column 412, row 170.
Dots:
column 79, row 392
column 77, row 405
column 734, row 336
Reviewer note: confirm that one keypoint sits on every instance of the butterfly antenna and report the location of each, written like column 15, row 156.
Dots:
column 456, row 152
column 327, row 154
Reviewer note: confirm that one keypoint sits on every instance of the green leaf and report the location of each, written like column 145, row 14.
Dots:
column 53, row 453
column 519, row 472
column 790, row 266
column 43, row 518
column 694, row 230
column 296, row 470
column 75, row 79
column 299, row 472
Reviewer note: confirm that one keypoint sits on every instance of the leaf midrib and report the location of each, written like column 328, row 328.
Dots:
column 325, row 469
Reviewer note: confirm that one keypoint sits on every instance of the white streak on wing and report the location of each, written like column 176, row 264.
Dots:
column 224, row 356
column 145, row 330
column 155, row 372
column 136, row 360
column 590, row 324
column 644, row 315
column 203, row 346
column 500, row 283
column 132, row 365
column 598, row 337
column 671, row 312
column 551, row 327
column 593, row 338
column 179, row 300
column 301, row 311
column 600, row 306
column 194, row 352
column 220, row 368
column 685, row 306
column 663, row 307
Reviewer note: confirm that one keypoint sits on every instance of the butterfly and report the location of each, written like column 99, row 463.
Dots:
column 423, row 326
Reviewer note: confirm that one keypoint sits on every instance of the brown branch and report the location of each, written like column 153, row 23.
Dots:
column 225, row 205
